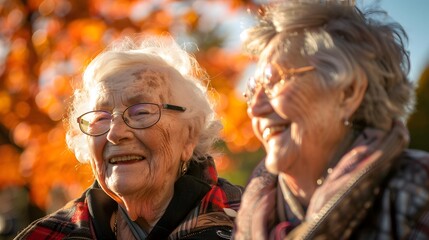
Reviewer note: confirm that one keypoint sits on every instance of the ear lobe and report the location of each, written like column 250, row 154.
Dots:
column 352, row 96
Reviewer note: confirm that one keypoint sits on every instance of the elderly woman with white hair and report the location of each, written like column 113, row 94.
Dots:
column 143, row 121
column 328, row 101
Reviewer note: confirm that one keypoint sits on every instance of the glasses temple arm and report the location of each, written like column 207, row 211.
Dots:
column 173, row 107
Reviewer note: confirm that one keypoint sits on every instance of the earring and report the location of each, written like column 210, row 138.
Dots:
column 347, row 123
column 184, row 168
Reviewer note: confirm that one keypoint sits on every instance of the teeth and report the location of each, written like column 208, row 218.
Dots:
column 125, row 158
column 268, row 132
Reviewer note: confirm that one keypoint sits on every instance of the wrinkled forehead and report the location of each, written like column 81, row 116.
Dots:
column 137, row 80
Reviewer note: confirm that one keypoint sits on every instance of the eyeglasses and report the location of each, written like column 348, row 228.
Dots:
column 267, row 81
column 138, row 116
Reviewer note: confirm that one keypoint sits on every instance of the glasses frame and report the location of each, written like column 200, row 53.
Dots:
column 160, row 107
column 285, row 76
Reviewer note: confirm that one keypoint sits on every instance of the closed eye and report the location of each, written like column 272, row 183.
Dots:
column 101, row 117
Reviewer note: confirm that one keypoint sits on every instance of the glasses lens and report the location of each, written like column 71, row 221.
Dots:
column 271, row 79
column 268, row 73
column 250, row 89
column 142, row 115
column 95, row 123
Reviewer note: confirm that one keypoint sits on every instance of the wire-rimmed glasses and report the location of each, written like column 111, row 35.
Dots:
column 272, row 84
column 137, row 116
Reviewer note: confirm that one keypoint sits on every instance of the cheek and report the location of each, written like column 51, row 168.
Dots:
column 296, row 103
column 163, row 150
column 311, row 111
column 96, row 146
column 255, row 127
column 162, row 138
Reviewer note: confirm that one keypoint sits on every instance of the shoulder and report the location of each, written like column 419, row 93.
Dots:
column 223, row 197
column 408, row 193
column 232, row 192
column 412, row 171
column 222, row 193
column 409, row 181
column 214, row 217
column 71, row 220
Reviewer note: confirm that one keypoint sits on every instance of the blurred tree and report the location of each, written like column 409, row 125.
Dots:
column 418, row 124
column 44, row 45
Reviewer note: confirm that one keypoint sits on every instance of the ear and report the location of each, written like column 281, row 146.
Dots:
column 189, row 146
column 188, row 150
column 352, row 96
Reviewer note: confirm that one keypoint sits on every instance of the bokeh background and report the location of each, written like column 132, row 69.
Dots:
column 45, row 44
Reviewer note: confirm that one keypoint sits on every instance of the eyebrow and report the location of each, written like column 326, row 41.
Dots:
column 106, row 102
column 135, row 98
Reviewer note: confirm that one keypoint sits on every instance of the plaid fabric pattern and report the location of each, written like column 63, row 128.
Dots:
column 402, row 210
column 217, row 210
column 71, row 221
column 74, row 220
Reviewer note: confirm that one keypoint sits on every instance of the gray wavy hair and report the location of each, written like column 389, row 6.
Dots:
column 150, row 51
column 344, row 44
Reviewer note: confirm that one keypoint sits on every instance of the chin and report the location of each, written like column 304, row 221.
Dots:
column 272, row 164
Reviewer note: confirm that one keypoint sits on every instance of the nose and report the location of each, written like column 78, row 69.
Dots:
column 259, row 105
column 119, row 131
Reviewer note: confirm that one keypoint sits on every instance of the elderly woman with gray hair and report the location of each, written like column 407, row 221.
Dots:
column 328, row 101
column 144, row 122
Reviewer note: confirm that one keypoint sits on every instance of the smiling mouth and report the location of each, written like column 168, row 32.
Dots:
column 125, row 159
column 273, row 130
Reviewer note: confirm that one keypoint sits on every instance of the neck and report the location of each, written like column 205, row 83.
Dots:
column 148, row 209
column 304, row 182
column 302, row 190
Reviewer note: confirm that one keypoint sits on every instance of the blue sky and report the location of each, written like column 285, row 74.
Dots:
column 413, row 15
